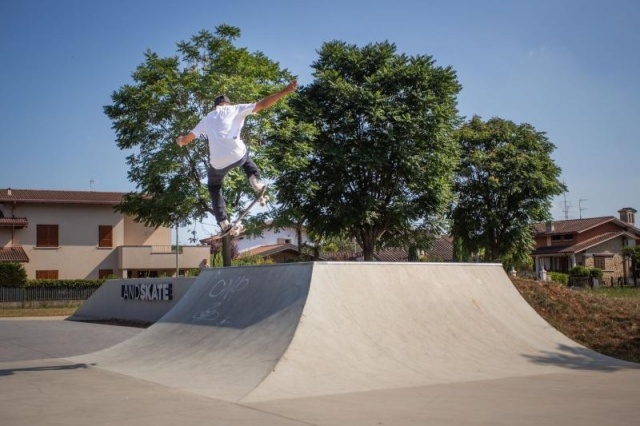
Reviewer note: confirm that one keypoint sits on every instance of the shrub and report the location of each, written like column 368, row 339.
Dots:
column 596, row 273
column 559, row 277
column 12, row 274
column 579, row 271
column 64, row 283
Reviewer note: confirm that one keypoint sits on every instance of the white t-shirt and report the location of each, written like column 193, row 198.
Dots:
column 222, row 127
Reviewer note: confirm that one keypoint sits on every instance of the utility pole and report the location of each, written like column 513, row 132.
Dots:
column 177, row 252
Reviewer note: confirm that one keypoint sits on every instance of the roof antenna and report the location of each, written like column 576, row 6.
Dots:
column 566, row 204
column 580, row 206
column 91, row 183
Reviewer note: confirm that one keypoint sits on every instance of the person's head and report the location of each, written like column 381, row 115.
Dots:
column 221, row 100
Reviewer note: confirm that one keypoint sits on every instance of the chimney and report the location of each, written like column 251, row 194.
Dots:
column 628, row 215
column 550, row 226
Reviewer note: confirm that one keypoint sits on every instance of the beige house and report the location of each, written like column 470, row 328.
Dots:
column 78, row 234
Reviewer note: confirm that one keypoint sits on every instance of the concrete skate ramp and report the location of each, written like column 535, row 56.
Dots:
column 107, row 304
column 297, row 330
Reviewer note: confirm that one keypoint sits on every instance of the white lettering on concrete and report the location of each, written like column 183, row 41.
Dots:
column 147, row 291
column 219, row 292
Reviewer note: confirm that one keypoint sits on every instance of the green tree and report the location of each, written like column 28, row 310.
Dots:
column 12, row 274
column 369, row 152
column 167, row 98
column 506, row 181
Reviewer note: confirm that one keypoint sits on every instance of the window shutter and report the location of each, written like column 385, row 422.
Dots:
column 105, row 236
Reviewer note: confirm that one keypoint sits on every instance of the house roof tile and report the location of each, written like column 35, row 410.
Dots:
column 571, row 225
column 19, row 222
column 442, row 250
column 599, row 239
column 580, row 225
column 584, row 245
column 59, row 197
column 13, row 254
column 392, row 255
column 269, row 250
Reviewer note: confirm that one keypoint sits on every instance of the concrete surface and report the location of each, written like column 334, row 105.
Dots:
column 106, row 303
column 325, row 344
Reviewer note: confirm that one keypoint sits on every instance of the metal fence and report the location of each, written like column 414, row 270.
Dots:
column 45, row 294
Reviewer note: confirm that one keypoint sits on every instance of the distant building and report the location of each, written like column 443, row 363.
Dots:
column 594, row 243
column 79, row 235
column 282, row 246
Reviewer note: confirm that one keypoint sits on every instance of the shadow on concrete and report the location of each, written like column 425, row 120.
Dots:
column 580, row 359
column 12, row 371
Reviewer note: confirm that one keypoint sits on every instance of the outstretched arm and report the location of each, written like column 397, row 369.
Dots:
column 183, row 140
column 272, row 99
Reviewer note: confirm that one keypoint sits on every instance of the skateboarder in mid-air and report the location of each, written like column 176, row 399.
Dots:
column 222, row 128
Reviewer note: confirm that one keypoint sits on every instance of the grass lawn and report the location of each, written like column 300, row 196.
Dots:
column 42, row 311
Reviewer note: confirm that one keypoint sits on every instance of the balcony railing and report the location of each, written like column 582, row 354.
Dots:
column 160, row 256
column 166, row 249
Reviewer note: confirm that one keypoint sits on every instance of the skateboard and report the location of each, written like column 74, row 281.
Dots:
column 236, row 226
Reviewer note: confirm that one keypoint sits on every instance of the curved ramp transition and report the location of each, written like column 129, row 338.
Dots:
column 250, row 334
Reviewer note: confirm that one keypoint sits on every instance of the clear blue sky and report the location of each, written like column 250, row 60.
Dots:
column 569, row 67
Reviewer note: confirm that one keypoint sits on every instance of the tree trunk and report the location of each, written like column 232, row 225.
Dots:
column 299, row 236
column 226, row 250
column 368, row 248
column 412, row 253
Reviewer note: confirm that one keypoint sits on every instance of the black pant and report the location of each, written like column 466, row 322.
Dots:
column 215, row 178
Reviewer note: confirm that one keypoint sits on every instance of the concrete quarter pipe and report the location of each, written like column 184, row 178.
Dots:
column 253, row 334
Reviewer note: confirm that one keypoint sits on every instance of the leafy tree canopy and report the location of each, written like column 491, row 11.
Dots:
column 506, row 181
column 167, row 98
column 368, row 152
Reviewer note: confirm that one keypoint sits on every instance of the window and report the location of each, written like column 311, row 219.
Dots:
column 105, row 236
column 46, row 275
column 600, row 262
column 47, row 236
column 562, row 237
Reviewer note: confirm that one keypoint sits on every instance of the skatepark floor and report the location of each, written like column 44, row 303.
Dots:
column 312, row 344
column 37, row 387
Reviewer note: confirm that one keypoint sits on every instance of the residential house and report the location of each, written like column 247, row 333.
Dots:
column 79, row 235
column 282, row 246
column 270, row 236
column 278, row 253
column 594, row 243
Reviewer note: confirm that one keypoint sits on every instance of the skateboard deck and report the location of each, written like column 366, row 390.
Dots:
column 236, row 225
